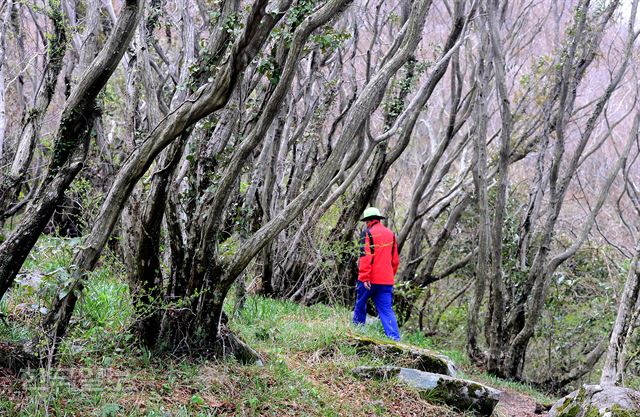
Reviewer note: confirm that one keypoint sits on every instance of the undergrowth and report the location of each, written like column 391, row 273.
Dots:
column 103, row 372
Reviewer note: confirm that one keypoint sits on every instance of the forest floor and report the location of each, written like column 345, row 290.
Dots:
column 517, row 404
column 307, row 372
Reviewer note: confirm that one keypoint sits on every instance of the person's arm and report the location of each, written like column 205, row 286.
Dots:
column 395, row 258
column 366, row 258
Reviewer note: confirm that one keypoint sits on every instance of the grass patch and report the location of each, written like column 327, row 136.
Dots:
column 103, row 372
column 308, row 372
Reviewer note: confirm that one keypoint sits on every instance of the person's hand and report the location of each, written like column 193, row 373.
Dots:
column 367, row 285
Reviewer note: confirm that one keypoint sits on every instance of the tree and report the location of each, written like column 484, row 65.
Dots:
column 212, row 280
column 623, row 327
column 70, row 147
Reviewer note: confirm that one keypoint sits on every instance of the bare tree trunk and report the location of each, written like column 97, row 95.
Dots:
column 147, row 275
column 612, row 370
column 267, row 202
column 136, row 75
column 483, row 265
column 540, row 274
column 384, row 158
column 70, row 147
column 496, row 320
column 3, row 113
column 18, row 30
column 368, row 101
column 56, row 49
column 209, row 98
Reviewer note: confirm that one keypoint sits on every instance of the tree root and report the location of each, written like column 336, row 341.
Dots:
column 177, row 336
column 229, row 344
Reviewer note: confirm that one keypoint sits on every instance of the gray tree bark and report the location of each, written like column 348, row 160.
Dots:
column 70, row 146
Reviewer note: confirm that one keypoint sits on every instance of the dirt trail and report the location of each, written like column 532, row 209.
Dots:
column 514, row 404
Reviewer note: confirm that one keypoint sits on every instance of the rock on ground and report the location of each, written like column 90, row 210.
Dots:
column 405, row 355
column 598, row 401
column 458, row 393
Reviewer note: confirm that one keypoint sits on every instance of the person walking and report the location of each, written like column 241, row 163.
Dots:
column 378, row 265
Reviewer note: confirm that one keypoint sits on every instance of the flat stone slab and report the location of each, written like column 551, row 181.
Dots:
column 598, row 401
column 406, row 356
column 461, row 394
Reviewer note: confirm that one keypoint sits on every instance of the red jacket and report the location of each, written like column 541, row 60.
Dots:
column 378, row 263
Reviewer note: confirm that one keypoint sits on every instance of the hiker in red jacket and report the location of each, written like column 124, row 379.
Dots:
column 378, row 266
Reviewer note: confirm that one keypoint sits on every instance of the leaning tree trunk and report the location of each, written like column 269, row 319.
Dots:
column 70, row 147
column 206, row 262
column 541, row 272
column 146, row 272
column 612, row 370
column 56, row 49
column 209, row 98
column 384, row 158
column 366, row 103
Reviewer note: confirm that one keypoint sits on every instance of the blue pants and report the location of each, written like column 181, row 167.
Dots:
column 382, row 296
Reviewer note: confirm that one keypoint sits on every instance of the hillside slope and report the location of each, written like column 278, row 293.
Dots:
column 307, row 372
